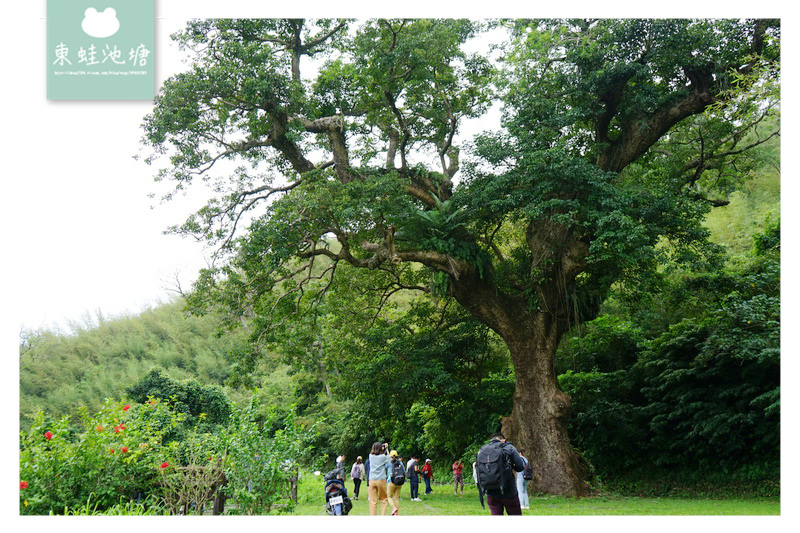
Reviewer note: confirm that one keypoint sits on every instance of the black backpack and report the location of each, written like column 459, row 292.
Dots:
column 527, row 474
column 398, row 473
column 492, row 467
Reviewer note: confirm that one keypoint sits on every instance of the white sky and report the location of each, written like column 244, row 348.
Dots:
column 79, row 235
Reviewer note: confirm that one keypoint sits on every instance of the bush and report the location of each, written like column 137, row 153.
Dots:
column 150, row 459
column 112, row 456
column 206, row 402
column 605, row 425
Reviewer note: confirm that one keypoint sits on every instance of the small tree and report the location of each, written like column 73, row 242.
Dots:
column 257, row 465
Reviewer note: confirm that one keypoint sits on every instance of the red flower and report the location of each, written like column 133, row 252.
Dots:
column 124, row 449
column 48, row 435
column 116, row 429
column 126, row 407
column 164, row 464
column 112, row 451
column 23, row 485
column 99, row 428
column 122, row 426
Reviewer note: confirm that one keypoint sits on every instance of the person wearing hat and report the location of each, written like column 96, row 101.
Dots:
column 427, row 475
column 393, row 485
column 358, row 473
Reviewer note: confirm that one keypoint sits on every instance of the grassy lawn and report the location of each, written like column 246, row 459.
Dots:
column 442, row 502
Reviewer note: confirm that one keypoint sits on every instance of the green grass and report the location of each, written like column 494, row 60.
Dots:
column 442, row 502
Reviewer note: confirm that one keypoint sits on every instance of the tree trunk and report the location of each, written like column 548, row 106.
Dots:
column 538, row 419
column 537, row 424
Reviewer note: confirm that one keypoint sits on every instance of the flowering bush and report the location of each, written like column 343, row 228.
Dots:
column 133, row 457
column 64, row 465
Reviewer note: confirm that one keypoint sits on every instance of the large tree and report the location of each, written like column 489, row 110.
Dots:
column 618, row 136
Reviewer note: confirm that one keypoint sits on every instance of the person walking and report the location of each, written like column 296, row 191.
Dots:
column 378, row 474
column 358, row 473
column 497, row 462
column 522, row 484
column 427, row 475
column 412, row 472
column 340, row 467
column 397, row 476
column 458, row 476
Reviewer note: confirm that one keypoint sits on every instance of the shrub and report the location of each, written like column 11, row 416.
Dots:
column 104, row 458
column 152, row 455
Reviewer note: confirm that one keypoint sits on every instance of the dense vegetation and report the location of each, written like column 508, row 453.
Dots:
column 669, row 350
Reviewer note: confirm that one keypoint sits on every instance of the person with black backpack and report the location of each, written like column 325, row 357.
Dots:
column 496, row 466
column 397, row 476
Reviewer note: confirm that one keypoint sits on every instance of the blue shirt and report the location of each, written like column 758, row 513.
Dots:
column 378, row 467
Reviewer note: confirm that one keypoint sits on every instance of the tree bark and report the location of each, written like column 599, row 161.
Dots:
column 538, row 420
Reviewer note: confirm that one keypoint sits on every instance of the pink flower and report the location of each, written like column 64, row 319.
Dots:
column 48, row 435
column 164, row 464
column 126, row 407
column 23, row 485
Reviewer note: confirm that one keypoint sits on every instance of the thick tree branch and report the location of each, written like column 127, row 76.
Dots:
column 391, row 151
column 289, row 149
column 638, row 135
column 333, row 127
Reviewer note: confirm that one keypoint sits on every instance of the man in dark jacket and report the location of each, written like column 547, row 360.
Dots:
column 412, row 471
column 505, row 497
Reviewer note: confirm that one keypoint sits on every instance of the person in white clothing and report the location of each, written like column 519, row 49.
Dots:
column 522, row 485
